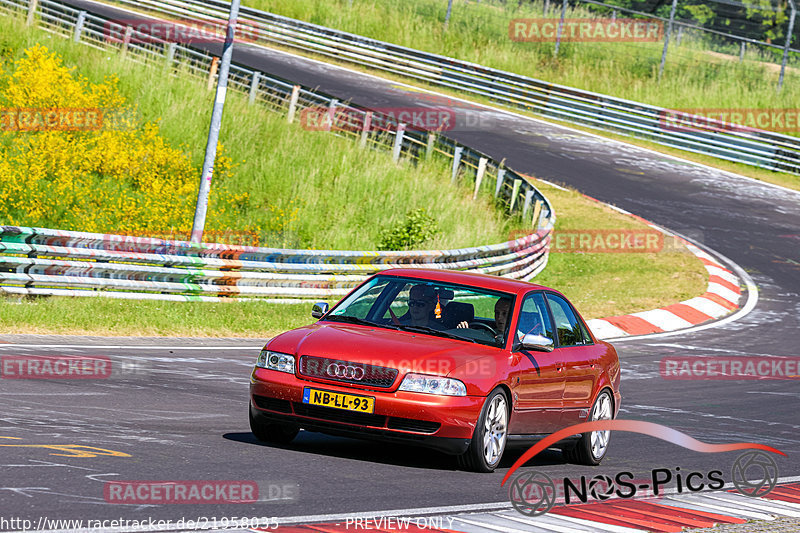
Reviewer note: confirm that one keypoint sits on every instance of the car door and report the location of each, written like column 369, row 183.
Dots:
column 537, row 377
column 580, row 357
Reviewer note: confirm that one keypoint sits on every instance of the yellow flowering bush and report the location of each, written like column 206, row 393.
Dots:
column 121, row 177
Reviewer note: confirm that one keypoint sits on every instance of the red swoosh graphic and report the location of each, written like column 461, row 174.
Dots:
column 635, row 426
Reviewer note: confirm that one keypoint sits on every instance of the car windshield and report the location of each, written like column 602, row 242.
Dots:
column 428, row 307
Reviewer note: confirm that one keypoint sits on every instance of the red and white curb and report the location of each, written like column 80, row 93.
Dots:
column 720, row 299
column 671, row 513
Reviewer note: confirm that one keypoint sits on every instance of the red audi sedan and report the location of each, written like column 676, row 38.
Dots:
column 461, row 362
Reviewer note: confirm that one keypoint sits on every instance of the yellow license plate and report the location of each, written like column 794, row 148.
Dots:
column 337, row 400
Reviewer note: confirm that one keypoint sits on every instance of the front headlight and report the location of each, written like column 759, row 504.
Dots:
column 433, row 385
column 276, row 361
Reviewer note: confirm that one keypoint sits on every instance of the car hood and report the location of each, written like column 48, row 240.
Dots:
column 404, row 350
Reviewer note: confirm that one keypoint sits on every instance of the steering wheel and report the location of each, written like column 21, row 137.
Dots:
column 487, row 327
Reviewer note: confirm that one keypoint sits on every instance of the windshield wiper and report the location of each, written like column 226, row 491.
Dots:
column 437, row 332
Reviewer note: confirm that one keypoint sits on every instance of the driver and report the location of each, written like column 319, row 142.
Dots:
column 421, row 301
column 502, row 309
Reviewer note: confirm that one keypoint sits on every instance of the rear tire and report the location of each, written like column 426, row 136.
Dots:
column 592, row 447
column 489, row 438
column 272, row 432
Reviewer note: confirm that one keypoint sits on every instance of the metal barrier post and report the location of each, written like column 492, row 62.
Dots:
column 514, row 193
column 456, row 163
column 537, row 211
column 398, row 142
column 788, row 43
column 365, row 129
column 527, row 205
column 254, row 86
column 171, row 55
column 560, row 27
column 429, row 145
column 741, row 51
column 479, row 176
column 332, row 114
column 31, row 11
column 501, row 174
column 293, row 102
column 76, row 35
column 666, row 38
column 447, row 15
column 126, row 41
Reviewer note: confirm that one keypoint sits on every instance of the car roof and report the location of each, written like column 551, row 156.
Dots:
column 483, row 281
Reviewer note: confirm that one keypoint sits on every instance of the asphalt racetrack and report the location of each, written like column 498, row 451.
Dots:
column 181, row 413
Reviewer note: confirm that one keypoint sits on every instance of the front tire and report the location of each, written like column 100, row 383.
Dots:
column 272, row 432
column 592, row 447
column 490, row 435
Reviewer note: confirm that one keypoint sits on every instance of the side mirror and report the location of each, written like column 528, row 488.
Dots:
column 537, row 343
column 319, row 309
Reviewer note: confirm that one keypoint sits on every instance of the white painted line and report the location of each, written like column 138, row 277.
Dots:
column 709, row 307
column 721, row 507
column 550, row 183
column 664, row 319
column 604, row 330
column 592, row 526
column 753, row 503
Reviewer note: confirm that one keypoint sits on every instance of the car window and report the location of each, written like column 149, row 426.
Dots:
column 359, row 303
column 567, row 324
column 534, row 318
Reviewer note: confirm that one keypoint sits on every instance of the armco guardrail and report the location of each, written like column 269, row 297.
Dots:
column 759, row 148
column 37, row 261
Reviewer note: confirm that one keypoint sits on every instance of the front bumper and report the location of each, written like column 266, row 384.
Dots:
column 445, row 423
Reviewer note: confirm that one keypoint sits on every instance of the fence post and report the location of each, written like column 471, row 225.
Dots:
column 560, row 27
column 456, row 163
column 479, row 176
column 254, row 86
column 212, row 72
column 293, row 102
column 398, row 142
column 447, row 15
column 31, row 11
column 126, row 41
column 679, row 36
column 501, row 174
column 76, row 35
column 365, row 129
column 546, row 8
column 741, row 51
column 788, row 43
column 666, row 38
column 429, row 145
column 514, row 193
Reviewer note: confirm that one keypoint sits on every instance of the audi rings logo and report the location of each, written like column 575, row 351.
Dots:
column 337, row 370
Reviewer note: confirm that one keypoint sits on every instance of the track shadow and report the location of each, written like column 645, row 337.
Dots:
column 387, row 452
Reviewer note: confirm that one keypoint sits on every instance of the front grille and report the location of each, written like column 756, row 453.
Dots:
column 272, row 404
column 374, row 376
column 339, row 415
column 409, row 424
